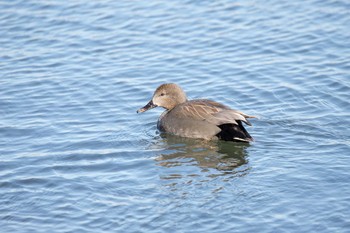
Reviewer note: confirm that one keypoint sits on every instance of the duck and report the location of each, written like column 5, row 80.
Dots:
column 199, row 118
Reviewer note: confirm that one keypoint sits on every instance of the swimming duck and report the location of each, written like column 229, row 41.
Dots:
column 199, row 118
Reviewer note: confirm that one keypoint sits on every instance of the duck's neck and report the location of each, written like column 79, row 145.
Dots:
column 176, row 101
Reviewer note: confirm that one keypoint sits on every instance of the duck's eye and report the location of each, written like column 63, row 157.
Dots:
column 162, row 94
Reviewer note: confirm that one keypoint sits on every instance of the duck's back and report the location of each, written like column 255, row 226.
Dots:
column 205, row 119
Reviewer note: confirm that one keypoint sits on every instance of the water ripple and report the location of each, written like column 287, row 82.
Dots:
column 75, row 156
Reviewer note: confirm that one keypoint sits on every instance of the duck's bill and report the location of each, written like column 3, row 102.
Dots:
column 148, row 106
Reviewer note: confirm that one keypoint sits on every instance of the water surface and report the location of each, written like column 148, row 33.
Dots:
column 75, row 156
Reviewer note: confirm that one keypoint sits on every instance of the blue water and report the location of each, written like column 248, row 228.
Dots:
column 75, row 156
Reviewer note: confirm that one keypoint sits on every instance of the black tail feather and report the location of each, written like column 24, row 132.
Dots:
column 232, row 132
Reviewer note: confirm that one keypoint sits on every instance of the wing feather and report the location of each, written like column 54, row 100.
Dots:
column 210, row 111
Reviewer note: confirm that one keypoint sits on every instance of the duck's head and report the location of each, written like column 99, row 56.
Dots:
column 167, row 96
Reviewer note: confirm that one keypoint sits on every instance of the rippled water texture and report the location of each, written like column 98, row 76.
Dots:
column 75, row 156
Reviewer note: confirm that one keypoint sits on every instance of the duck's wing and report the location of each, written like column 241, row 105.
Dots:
column 210, row 111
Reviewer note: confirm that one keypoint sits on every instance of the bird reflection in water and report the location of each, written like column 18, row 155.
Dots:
column 220, row 155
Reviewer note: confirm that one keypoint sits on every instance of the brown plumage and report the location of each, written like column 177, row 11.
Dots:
column 200, row 118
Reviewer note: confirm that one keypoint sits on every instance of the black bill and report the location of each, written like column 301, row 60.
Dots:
column 148, row 106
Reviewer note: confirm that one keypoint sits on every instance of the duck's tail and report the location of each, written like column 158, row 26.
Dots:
column 233, row 132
